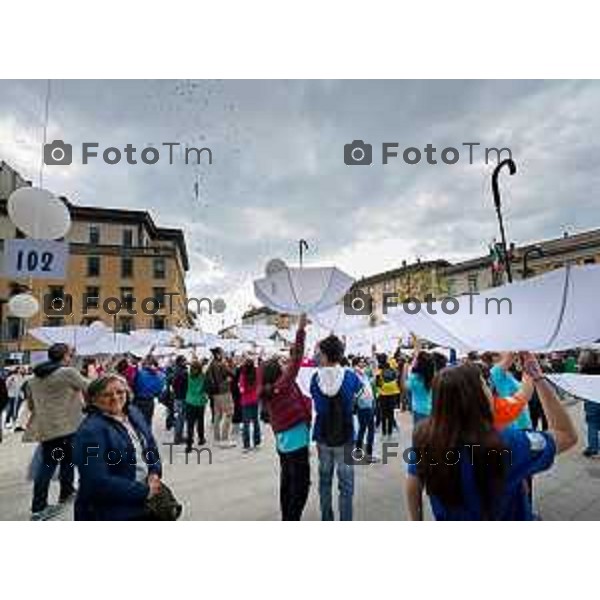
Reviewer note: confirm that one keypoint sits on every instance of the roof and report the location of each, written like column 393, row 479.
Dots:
column 398, row 272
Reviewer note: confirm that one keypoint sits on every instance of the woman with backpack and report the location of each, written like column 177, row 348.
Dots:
column 290, row 415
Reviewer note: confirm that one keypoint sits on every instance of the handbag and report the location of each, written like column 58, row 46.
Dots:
column 163, row 506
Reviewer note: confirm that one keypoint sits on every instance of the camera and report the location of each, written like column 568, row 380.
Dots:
column 358, row 153
column 58, row 306
column 58, row 153
column 354, row 456
column 358, row 302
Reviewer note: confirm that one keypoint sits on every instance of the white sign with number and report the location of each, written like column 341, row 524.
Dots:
column 39, row 259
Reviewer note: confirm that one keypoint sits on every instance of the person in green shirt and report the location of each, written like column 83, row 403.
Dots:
column 196, row 400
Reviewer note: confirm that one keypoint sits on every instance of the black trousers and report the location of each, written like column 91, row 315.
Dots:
column 146, row 407
column 388, row 403
column 55, row 453
column 294, row 483
column 194, row 417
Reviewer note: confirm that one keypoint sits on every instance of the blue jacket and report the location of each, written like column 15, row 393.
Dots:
column 149, row 383
column 108, row 490
column 321, row 387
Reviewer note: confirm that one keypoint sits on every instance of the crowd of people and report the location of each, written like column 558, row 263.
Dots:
column 496, row 415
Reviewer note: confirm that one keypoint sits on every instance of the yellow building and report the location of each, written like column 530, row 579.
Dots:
column 113, row 253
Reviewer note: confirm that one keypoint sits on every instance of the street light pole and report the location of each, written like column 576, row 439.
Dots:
column 302, row 246
column 512, row 169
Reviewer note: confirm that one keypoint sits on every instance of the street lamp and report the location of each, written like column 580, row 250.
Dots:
column 512, row 169
column 302, row 246
column 536, row 250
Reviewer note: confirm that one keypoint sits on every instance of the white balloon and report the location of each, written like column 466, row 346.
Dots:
column 274, row 266
column 219, row 305
column 23, row 306
column 38, row 213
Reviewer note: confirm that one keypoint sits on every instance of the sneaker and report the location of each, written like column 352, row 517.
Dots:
column 589, row 453
column 19, row 429
column 373, row 459
column 246, row 450
column 202, row 442
column 228, row 444
column 45, row 515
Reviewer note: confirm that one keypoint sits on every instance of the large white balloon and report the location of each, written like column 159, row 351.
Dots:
column 274, row 266
column 23, row 306
column 38, row 213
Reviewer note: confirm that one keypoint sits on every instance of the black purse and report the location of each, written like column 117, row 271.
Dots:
column 163, row 506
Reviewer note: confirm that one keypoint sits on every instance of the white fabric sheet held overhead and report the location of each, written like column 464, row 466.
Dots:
column 555, row 311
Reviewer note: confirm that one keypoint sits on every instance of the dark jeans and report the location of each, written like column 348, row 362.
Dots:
column 366, row 424
column 250, row 415
column 180, row 407
column 536, row 412
column 194, row 416
column 58, row 451
column 12, row 409
column 294, row 483
column 146, row 407
column 388, row 404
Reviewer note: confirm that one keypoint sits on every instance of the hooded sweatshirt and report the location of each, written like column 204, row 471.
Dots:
column 326, row 384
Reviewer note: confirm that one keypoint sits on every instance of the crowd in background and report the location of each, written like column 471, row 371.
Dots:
column 498, row 400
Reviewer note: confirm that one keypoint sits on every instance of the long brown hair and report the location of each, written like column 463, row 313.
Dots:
column 462, row 415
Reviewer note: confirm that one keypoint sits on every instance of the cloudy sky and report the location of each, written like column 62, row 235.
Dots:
column 278, row 172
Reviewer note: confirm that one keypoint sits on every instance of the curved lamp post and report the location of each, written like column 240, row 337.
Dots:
column 302, row 246
column 512, row 169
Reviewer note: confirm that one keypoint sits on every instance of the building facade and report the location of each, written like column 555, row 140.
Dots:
column 117, row 259
column 263, row 315
column 529, row 260
column 416, row 281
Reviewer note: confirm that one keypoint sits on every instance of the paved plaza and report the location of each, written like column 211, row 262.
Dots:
column 239, row 486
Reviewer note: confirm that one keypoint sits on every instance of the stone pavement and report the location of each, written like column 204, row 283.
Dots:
column 239, row 486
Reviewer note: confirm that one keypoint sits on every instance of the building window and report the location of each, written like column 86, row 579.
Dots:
column 87, row 321
column 473, row 287
column 93, row 266
column 159, row 322
column 14, row 328
column 92, row 296
column 451, row 283
column 127, row 267
column 128, row 238
column 94, row 235
column 126, row 324
column 160, row 268
column 589, row 261
column 158, row 293
column 127, row 297
column 54, row 322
